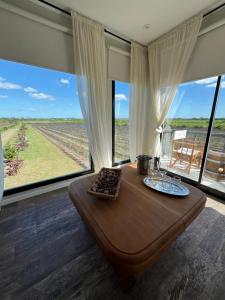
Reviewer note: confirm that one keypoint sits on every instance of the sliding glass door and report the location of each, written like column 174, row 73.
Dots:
column 186, row 126
column 193, row 139
column 214, row 168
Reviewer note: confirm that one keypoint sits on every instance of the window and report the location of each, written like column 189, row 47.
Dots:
column 186, row 127
column 193, row 139
column 120, row 122
column 214, row 171
column 43, row 131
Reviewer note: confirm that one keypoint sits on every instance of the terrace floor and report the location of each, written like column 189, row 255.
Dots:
column 194, row 175
column 47, row 253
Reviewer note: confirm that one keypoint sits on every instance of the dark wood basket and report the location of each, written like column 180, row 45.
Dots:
column 107, row 184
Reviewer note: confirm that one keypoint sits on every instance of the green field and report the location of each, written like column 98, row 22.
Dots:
column 58, row 147
column 41, row 160
column 184, row 123
column 9, row 135
column 13, row 122
column 195, row 123
column 177, row 122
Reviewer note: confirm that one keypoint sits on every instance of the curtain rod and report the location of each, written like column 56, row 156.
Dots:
column 212, row 11
column 69, row 14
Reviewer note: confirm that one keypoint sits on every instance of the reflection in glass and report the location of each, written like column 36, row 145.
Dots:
column 121, row 121
column 214, row 172
column 185, row 128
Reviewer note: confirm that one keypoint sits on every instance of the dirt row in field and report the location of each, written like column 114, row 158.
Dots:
column 72, row 140
column 77, row 152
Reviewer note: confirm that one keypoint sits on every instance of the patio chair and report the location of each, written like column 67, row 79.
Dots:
column 185, row 154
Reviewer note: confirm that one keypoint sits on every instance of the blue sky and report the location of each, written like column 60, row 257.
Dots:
column 33, row 92
column 27, row 91
column 122, row 93
column 194, row 99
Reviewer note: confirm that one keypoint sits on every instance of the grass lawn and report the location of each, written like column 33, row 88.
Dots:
column 9, row 135
column 42, row 160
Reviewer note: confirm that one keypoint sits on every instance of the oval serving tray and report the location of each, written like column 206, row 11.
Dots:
column 173, row 188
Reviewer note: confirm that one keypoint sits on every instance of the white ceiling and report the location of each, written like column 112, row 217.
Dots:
column 128, row 17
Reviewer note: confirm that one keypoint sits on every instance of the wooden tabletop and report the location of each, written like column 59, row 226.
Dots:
column 140, row 221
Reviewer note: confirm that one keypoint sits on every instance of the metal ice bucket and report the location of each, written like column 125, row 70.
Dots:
column 143, row 162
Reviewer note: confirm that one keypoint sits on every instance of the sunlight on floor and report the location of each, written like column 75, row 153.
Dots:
column 215, row 204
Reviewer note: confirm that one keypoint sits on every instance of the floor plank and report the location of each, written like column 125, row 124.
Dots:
column 46, row 252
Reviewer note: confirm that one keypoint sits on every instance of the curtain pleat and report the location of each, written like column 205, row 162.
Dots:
column 138, row 101
column 91, row 71
column 168, row 58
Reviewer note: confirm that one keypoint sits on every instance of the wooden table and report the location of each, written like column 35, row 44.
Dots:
column 134, row 230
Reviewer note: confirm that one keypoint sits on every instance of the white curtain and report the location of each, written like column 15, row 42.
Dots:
column 1, row 171
column 168, row 59
column 138, row 101
column 91, row 71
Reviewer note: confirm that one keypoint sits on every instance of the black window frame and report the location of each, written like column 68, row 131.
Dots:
column 115, row 163
column 42, row 183
column 199, row 184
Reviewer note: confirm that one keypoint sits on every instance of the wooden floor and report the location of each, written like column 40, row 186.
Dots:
column 38, row 238
column 47, row 253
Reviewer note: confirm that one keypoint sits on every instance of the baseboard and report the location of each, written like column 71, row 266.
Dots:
column 38, row 191
column 42, row 190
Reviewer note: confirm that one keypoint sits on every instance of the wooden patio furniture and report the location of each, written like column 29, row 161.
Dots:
column 185, row 154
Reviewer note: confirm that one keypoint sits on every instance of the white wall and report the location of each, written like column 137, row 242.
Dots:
column 208, row 58
column 30, row 42
column 118, row 66
column 33, row 42
column 27, row 41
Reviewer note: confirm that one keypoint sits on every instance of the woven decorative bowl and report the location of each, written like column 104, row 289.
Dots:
column 107, row 184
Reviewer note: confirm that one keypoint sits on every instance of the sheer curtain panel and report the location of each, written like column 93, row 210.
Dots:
column 91, row 71
column 168, row 59
column 1, row 171
column 138, row 101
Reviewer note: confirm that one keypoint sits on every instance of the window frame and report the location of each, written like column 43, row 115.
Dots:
column 42, row 183
column 115, row 163
column 199, row 184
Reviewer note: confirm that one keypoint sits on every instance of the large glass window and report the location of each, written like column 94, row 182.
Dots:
column 42, row 127
column 214, row 172
column 186, row 127
column 121, row 119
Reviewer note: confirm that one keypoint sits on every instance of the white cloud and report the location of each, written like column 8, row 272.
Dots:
column 9, row 85
column 4, row 96
column 30, row 90
column 206, row 80
column 222, row 85
column 41, row 96
column 64, row 81
column 37, row 95
column 120, row 97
